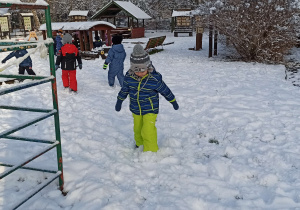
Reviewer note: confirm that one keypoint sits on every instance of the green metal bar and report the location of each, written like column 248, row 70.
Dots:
column 28, row 139
column 5, row 173
column 12, row 48
column 25, row 109
column 5, row 5
column 22, row 76
column 5, row 43
column 26, row 124
column 38, row 189
column 5, row 134
column 26, row 85
column 30, row 168
column 55, row 99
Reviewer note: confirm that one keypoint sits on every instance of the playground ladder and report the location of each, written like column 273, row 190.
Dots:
column 45, row 113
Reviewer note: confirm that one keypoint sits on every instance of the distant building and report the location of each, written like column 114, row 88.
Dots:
column 5, row 20
column 27, row 22
column 130, row 14
column 182, row 22
column 78, row 16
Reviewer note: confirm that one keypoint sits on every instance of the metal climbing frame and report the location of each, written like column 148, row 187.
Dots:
column 45, row 113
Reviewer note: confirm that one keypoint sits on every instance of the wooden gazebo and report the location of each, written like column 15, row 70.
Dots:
column 83, row 31
column 5, row 22
column 78, row 15
column 182, row 22
column 135, row 28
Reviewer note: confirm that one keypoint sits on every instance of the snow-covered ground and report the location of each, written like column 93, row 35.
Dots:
column 233, row 143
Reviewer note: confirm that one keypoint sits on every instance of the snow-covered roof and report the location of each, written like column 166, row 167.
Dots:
column 76, row 25
column 4, row 11
column 132, row 9
column 128, row 7
column 79, row 13
column 37, row 3
column 181, row 13
column 26, row 14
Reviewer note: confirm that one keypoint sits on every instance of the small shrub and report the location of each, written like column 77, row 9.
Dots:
column 260, row 30
column 213, row 141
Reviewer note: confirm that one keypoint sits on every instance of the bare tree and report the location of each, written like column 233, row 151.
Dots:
column 260, row 30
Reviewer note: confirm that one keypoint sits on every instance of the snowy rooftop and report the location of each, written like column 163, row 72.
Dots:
column 181, row 13
column 26, row 14
column 134, row 10
column 4, row 11
column 128, row 6
column 38, row 2
column 76, row 25
column 77, row 12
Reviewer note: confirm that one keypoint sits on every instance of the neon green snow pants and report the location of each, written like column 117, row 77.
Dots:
column 145, row 131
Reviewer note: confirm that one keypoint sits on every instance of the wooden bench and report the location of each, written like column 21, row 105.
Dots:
column 88, row 55
column 183, row 30
column 155, row 42
column 124, row 32
column 11, row 81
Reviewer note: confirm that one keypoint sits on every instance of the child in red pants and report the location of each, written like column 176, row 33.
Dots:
column 67, row 56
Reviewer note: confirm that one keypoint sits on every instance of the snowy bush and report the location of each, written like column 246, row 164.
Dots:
column 259, row 30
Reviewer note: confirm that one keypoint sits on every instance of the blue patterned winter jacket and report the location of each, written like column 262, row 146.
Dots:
column 144, row 94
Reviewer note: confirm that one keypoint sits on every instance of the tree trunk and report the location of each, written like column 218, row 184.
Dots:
column 36, row 19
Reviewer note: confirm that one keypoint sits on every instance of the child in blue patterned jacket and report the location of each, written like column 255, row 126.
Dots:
column 143, row 84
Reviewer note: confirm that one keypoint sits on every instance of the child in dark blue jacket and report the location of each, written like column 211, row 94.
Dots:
column 58, row 40
column 143, row 85
column 115, row 59
column 24, row 65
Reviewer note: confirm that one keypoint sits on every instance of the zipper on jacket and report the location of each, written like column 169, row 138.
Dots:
column 138, row 94
column 151, row 103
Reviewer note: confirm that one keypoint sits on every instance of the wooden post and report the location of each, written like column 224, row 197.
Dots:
column 102, row 35
column 216, row 43
column 91, row 40
column 210, row 39
column 199, row 35
column 44, row 35
column 109, row 37
column 198, row 41
column 24, row 26
column 85, row 40
column 81, row 41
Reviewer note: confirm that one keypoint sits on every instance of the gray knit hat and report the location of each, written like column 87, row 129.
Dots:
column 67, row 38
column 139, row 59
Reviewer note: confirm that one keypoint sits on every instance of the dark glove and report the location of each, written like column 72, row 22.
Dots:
column 56, row 67
column 175, row 105
column 118, row 105
column 3, row 61
column 80, row 66
column 105, row 65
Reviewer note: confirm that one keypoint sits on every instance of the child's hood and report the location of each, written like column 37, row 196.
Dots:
column 118, row 48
